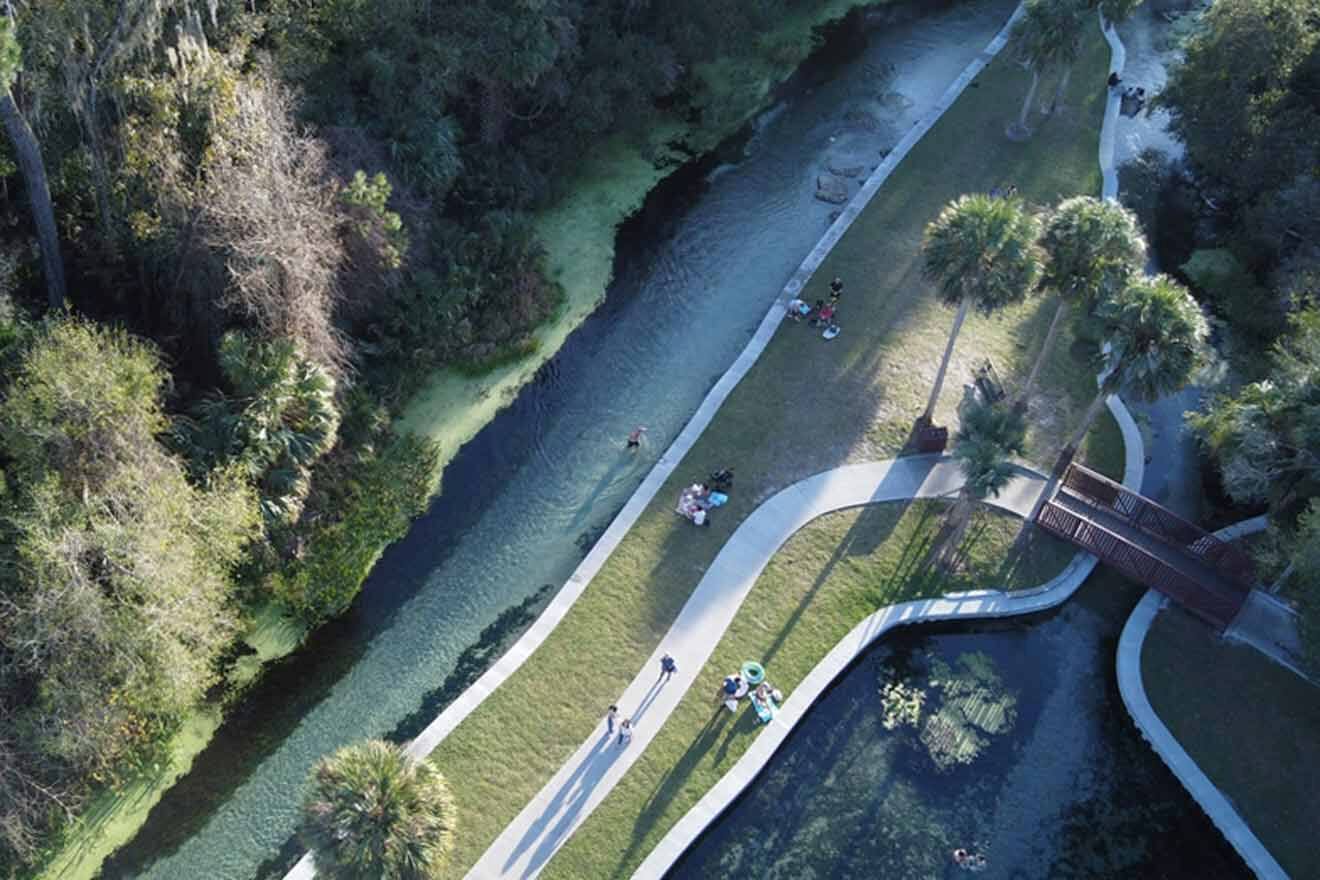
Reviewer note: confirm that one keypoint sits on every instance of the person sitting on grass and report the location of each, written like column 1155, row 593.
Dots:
column 814, row 318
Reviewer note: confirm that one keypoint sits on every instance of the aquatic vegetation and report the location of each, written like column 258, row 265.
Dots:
column 955, row 711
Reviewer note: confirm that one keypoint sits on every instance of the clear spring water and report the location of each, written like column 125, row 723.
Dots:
column 531, row 491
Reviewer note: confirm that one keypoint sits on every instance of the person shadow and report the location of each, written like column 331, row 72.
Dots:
column 580, row 782
column 572, row 795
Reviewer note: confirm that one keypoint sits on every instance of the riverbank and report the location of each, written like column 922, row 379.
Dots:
column 579, row 232
column 806, row 406
column 579, row 235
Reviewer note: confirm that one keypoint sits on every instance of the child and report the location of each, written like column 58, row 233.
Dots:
column 625, row 732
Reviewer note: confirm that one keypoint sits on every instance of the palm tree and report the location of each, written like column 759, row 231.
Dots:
column 373, row 813
column 1048, row 35
column 279, row 419
column 28, row 153
column 1154, row 344
column 1092, row 249
column 988, row 437
column 980, row 251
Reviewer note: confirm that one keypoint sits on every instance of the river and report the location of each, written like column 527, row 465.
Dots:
column 524, row 500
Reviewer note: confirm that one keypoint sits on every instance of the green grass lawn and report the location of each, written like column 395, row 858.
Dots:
column 826, row 579
column 805, row 407
column 1251, row 725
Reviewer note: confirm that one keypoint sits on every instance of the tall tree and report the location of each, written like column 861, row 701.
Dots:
column 372, row 813
column 1092, row 249
column 988, row 437
column 1155, row 341
column 1243, row 98
column 980, row 251
column 1266, row 437
column 31, row 165
column 115, row 578
column 278, row 418
column 1048, row 36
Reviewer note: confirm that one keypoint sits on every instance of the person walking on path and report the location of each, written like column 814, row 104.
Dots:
column 667, row 667
column 625, row 732
column 635, row 438
column 609, row 719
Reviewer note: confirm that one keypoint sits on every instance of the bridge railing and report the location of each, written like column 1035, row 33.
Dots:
column 1139, row 565
column 1160, row 522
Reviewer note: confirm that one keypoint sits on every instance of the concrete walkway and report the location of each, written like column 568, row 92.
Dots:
column 1212, row 800
column 588, row 776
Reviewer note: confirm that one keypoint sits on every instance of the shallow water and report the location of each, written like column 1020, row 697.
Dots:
column 526, row 497
column 1151, row 47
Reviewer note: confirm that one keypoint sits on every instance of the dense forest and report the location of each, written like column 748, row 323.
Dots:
column 235, row 236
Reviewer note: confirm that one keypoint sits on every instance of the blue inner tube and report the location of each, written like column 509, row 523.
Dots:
column 753, row 672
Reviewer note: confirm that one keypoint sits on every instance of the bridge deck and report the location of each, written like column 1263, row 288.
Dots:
column 1166, row 567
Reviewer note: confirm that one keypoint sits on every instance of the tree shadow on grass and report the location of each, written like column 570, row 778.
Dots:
column 671, row 783
column 861, row 539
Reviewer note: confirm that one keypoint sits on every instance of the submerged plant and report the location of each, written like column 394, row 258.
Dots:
column 963, row 706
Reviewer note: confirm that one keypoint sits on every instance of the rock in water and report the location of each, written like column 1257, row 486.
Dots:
column 845, row 170
column 831, row 189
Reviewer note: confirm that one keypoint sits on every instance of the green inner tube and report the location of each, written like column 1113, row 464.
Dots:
column 753, row 672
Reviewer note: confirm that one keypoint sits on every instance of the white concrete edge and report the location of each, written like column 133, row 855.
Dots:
column 987, row 604
column 1133, row 690
column 1117, row 62
column 1054, row 592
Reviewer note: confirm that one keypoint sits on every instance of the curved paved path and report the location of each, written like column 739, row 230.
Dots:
column 1133, row 690
column 591, row 773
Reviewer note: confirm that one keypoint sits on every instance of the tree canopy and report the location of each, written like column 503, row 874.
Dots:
column 1266, row 436
column 1155, row 338
column 115, row 587
column 372, row 813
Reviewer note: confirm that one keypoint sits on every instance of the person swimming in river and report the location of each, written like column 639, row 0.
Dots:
column 635, row 438
column 969, row 861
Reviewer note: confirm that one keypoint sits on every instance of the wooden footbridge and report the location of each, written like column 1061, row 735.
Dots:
column 1150, row 544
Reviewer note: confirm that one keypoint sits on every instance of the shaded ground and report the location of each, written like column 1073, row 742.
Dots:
column 807, row 406
column 1251, row 725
